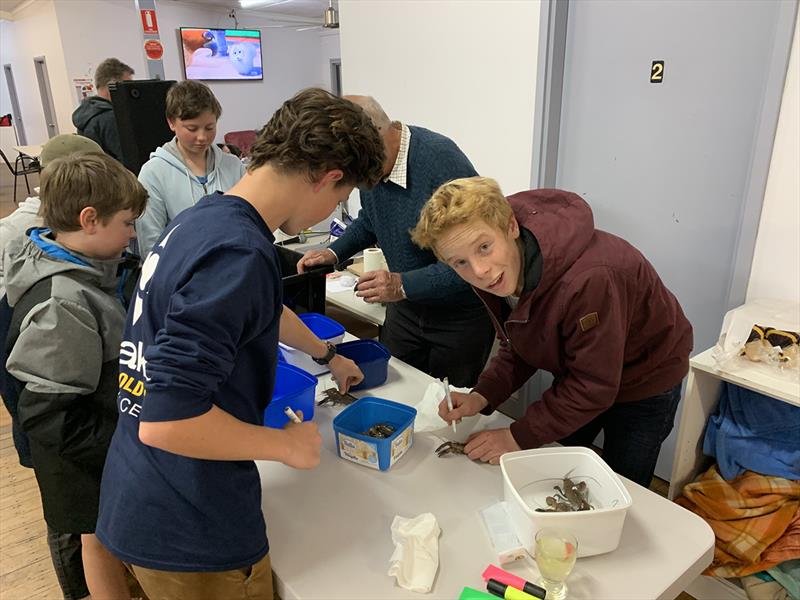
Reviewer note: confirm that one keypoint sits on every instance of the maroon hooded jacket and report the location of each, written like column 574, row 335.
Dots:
column 600, row 320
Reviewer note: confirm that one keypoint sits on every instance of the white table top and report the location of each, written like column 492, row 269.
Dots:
column 753, row 376
column 329, row 528
column 33, row 151
column 347, row 300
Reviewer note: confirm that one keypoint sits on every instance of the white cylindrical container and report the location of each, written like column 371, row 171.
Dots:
column 373, row 260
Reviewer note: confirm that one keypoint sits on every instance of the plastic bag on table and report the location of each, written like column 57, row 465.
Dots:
column 761, row 332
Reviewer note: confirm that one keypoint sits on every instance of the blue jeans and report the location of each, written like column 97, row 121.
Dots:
column 634, row 432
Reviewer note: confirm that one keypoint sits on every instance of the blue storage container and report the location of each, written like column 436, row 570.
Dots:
column 371, row 357
column 353, row 445
column 293, row 387
column 324, row 328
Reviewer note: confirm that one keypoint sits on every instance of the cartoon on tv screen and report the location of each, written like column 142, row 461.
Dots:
column 221, row 53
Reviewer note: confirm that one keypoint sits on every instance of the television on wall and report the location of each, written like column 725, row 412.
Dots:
column 220, row 54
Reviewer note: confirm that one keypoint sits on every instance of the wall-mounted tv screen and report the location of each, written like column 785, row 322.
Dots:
column 221, row 53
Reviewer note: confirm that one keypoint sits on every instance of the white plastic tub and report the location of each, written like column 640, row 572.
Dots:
column 529, row 477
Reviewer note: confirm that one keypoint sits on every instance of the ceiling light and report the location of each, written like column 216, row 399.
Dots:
column 261, row 3
column 331, row 18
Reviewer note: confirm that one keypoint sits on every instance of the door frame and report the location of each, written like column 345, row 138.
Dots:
column 19, row 126
column 46, row 93
column 547, row 123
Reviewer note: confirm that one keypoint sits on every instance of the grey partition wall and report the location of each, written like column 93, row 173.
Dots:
column 662, row 115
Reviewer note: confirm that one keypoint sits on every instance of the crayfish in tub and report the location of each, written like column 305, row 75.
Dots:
column 569, row 497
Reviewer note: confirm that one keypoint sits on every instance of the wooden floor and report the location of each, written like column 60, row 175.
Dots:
column 26, row 572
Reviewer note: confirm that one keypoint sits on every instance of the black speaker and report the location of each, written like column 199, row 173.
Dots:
column 139, row 108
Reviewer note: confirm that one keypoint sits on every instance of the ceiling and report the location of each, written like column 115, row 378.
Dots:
column 309, row 9
column 9, row 5
column 306, row 9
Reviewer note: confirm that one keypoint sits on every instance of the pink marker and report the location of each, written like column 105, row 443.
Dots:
column 514, row 581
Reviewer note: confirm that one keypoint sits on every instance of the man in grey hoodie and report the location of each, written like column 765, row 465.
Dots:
column 94, row 118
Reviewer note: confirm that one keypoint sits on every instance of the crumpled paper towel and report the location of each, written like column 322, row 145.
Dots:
column 428, row 419
column 415, row 559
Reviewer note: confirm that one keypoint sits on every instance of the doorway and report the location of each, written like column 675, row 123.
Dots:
column 19, row 126
column 42, row 77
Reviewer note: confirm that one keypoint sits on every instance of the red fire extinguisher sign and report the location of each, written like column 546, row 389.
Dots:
column 149, row 23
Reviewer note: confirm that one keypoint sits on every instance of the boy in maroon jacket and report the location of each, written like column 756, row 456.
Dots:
column 580, row 303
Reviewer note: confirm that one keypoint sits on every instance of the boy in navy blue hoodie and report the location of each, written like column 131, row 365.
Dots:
column 181, row 495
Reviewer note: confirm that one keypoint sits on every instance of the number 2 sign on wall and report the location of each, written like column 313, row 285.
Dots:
column 657, row 71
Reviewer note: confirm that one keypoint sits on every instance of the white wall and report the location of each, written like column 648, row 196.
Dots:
column 7, row 139
column 329, row 49
column 87, row 37
column 34, row 32
column 464, row 69
column 776, row 261
column 291, row 59
column 76, row 35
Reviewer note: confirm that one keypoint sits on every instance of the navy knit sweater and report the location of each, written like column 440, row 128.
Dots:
column 389, row 212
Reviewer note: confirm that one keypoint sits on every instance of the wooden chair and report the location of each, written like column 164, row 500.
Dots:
column 24, row 165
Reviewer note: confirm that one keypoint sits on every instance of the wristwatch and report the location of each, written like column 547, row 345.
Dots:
column 328, row 355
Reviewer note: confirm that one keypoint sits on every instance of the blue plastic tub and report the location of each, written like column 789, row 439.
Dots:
column 324, row 328
column 293, row 387
column 371, row 357
column 350, row 424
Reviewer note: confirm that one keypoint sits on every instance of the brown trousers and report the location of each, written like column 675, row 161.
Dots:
column 248, row 583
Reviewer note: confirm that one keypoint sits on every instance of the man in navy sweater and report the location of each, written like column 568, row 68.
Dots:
column 181, row 496
column 434, row 321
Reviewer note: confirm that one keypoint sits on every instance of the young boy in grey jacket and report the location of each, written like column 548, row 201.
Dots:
column 12, row 227
column 188, row 167
column 63, row 282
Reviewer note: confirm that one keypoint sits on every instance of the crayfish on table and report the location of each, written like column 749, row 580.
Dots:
column 569, row 497
column 335, row 398
column 450, row 448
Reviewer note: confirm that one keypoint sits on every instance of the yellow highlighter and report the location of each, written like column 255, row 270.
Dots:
column 506, row 591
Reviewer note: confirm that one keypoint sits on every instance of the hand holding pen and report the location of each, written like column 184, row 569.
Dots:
column 303, row 442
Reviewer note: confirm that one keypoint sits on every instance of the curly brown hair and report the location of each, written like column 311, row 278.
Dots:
column 189, row 99
column 315, row 132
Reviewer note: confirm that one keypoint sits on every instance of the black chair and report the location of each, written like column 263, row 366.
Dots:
column 23, row 166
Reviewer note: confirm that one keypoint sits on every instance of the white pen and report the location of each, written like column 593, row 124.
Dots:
column 449, row 400
column 292, row 415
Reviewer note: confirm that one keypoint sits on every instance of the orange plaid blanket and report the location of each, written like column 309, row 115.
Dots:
column 755, row 518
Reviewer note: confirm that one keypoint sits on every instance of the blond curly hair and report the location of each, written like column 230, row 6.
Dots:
column 461, row 201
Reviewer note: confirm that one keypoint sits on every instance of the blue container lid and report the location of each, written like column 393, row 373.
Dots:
column 323, row 327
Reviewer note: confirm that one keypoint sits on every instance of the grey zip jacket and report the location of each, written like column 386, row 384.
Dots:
column 172, row 188
column 63, row 347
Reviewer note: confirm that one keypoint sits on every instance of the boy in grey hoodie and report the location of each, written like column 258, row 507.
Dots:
column 187, row 168
column 63, row 283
